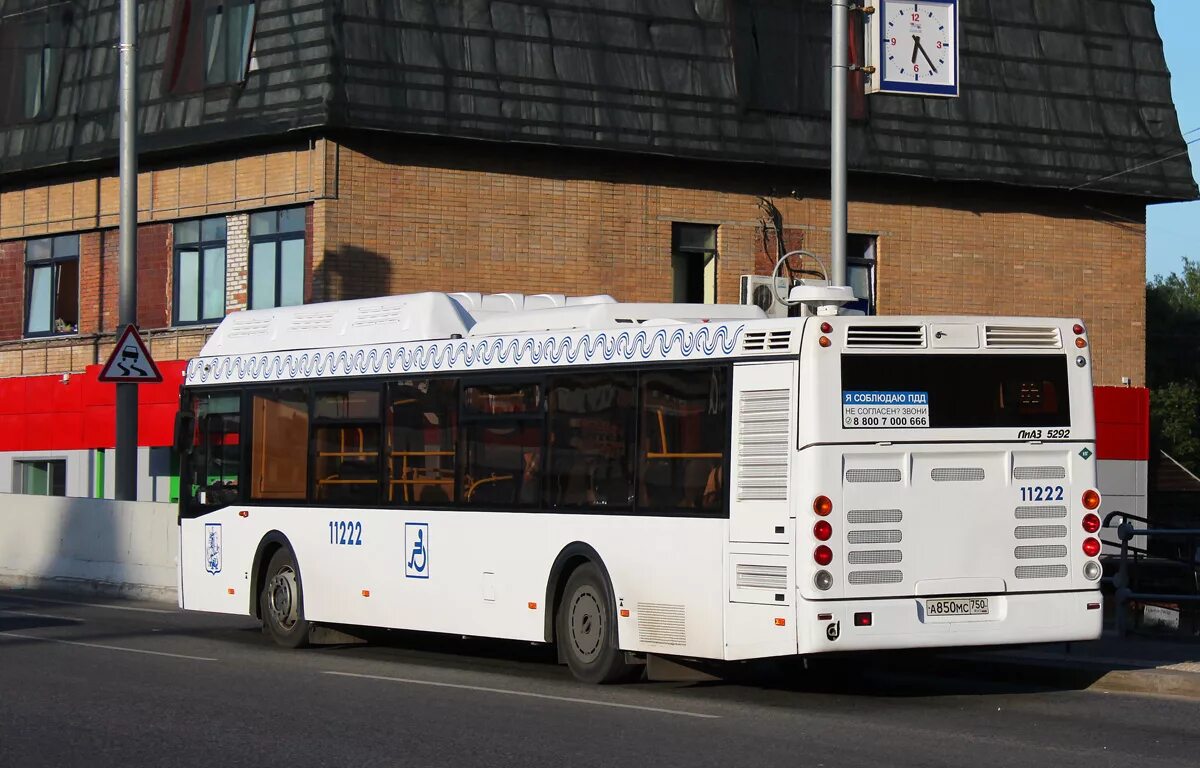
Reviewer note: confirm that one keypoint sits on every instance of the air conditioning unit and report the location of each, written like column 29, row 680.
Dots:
column 759, row 291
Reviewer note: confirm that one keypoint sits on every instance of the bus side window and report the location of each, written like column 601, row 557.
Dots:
column 279, row 449
column 422, row 431
column 591, row 422
column 503, row 426
column 345, row 439
column 684, row 436
column 215, row 460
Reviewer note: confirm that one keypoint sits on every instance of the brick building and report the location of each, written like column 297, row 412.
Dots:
column 308, row 150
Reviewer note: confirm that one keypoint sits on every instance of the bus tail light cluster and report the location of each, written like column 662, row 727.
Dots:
column 1091, row 524
column 822, row 531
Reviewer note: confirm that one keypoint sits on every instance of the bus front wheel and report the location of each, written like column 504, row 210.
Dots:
column 587, row 632
column 281, row 601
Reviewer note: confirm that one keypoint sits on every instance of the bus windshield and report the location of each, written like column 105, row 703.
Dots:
column 973, row 391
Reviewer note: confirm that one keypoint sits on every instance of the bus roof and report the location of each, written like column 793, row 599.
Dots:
column 434, row 316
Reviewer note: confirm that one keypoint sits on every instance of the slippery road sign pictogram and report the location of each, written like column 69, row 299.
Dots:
column 130, row 361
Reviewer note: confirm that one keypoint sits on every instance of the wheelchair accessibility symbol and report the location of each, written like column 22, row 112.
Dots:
column 416, row 544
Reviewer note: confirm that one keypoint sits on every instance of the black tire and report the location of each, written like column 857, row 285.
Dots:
column 586, row 630
column 281, row 601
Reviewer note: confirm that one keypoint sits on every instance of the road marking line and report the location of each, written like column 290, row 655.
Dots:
column 106, row 647
column 42, row 615
column 529, row 694
column 6, row 596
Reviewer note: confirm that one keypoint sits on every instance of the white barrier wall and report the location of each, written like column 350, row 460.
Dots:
column 125, row 547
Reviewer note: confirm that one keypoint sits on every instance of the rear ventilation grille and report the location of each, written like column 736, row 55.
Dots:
column 1041, row 531
column 767, row 341
column 1041, row 571
column 873, row 556
column 763, row 445
column 1040, row 513
column 885, row 336
column 661, row 624
column 872, row 516
column 1040, row 551
column 872, row 475
column 772, row 577
column 957, row 474
column 1022, row 336
column 1039, row 473
column 875, row 537
column 876, row 577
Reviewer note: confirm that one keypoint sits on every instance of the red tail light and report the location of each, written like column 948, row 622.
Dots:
column 1091, row 523
column 822, row 530
column 822, row 505
column 823, row 555
column 1091, row 547
column 1091, row 499
column 1078, row 329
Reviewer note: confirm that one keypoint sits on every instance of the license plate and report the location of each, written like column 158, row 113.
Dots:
column 957, row 606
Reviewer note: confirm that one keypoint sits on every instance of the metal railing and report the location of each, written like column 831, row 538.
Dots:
column 1126, row 532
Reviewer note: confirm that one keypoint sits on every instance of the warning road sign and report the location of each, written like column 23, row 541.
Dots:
column 130, row 361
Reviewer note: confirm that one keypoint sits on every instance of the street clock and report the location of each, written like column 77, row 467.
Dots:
column 913, row 46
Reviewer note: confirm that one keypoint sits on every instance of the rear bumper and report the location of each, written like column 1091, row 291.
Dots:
column 900, row 623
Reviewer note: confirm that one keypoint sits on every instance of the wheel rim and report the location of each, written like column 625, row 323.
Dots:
column 587, row 625
column 281, row 598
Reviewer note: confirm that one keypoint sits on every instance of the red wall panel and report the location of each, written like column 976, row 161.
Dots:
column 1122, row 423
column 48, row 413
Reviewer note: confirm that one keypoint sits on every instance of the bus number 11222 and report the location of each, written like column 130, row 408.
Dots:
column 345, row 532
column 1041, row 493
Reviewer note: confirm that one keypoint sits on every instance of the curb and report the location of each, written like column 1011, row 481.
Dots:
column 85, row 587
column 1082, row 674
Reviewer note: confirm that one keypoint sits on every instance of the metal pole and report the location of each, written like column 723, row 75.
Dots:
column 839, row 76
column 127, row 394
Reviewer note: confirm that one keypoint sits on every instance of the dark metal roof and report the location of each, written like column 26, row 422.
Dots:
column 1056, row 93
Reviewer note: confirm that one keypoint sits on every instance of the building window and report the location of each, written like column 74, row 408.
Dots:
column 211, row 43
column 694, row 263
column 277, row 258
column 52, row 286
column 199, row 271
column 40, row 477
column 860, row 272
column 31, row 48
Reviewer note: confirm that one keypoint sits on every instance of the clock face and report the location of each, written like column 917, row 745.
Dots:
column 918, row 46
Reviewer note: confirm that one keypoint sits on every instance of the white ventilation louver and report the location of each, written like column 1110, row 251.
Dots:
column 380, row 315
column 885, row 336
column 763, row 419
column 662, row 624
column 767, row 341
column 311, row 321
column 1008, row 336
column 247, row 327
column 755, row 576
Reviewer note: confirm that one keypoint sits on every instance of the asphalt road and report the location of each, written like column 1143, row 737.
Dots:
column 97, row 683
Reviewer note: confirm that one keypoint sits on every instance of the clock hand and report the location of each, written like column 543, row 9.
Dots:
column 926, row 55
column 916, row 45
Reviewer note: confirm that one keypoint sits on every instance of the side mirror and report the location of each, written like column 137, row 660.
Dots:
column 185, row 431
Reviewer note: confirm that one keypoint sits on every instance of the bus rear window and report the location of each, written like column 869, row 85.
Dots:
column 967, row 390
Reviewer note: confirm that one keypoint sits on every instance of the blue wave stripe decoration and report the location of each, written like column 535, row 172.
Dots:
column 635, row 345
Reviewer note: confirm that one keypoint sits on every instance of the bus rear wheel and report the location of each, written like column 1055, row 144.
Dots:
column 281, row 601
column 587, row 632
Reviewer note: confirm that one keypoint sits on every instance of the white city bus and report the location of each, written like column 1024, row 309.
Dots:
column 692, row 481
